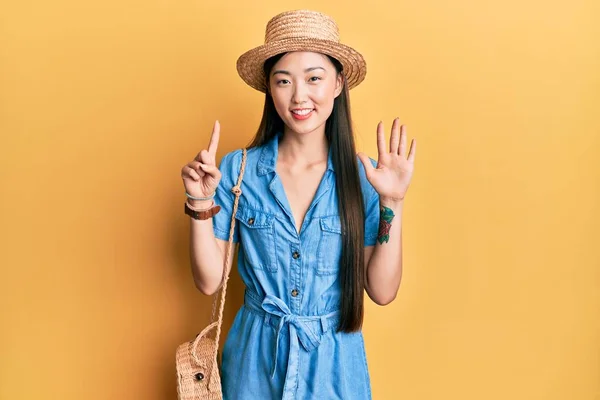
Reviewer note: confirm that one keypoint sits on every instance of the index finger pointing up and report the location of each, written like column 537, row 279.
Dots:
column 214, row 139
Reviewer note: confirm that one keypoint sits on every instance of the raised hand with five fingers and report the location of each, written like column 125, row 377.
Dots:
column 394, row 171
column 201, row 176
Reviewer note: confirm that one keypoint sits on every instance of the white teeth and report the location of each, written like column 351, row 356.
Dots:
column 301, row 112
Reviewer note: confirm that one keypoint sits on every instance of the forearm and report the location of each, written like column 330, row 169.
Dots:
column 384, row 271
column 206, row 257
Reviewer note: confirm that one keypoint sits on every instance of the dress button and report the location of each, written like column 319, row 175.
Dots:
column 296, row 255
column 294, row 293
column 251, row 221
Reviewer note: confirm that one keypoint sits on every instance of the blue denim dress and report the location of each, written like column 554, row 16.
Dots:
column 283, row 344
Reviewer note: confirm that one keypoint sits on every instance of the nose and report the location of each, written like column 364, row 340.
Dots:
column 300, row 93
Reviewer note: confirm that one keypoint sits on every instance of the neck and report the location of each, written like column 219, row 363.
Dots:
column 303, row 149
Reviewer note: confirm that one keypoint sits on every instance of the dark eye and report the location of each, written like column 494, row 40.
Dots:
column 315, row 78
column 282, row 81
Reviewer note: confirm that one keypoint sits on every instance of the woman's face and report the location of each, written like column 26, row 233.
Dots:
column 303, row 86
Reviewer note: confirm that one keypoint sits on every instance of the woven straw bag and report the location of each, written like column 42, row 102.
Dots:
column 198, row 368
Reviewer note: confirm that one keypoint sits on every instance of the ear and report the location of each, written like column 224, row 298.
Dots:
column 339, row 84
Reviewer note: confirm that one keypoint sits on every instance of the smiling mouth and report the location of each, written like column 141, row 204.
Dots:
column 302, row 112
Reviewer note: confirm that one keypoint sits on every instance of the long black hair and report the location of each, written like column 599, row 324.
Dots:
column 339, row 133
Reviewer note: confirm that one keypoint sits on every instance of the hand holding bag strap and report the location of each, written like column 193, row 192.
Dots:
column 237, row 191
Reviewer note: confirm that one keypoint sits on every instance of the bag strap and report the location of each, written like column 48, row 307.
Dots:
column 237, row 191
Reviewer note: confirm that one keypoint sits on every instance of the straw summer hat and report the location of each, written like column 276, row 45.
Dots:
column 301, row 30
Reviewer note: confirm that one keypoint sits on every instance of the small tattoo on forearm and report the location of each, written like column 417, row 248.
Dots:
column 385, row 224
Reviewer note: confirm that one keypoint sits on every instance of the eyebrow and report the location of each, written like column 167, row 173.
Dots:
column 281, row 71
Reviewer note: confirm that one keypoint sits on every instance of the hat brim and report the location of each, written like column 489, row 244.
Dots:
column 250, row 64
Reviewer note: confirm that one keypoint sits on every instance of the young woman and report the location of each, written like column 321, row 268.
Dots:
column 317, row 224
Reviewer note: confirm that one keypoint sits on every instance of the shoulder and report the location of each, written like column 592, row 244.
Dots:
column 232, row 161
column 231, row 165
column 228, row 159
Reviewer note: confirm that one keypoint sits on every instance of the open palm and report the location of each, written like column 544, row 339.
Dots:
column 391, row 178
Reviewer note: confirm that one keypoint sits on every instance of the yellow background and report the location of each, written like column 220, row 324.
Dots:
column 102, row 103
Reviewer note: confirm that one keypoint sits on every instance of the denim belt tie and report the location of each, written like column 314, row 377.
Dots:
column 303, row 330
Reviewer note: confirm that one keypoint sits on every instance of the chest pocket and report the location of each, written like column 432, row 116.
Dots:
column 257, row 235
column 329, row 250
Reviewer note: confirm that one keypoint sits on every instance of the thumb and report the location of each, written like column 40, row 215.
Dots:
column 367, row 163
column 210, row 169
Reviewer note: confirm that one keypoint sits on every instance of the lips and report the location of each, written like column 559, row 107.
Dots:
column 302, row 113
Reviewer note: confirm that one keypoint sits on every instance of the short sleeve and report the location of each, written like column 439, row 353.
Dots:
column 229, row 167
column 371, row 212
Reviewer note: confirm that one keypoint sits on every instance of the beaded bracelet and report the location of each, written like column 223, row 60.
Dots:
column 200, row 198
column 200, row 209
